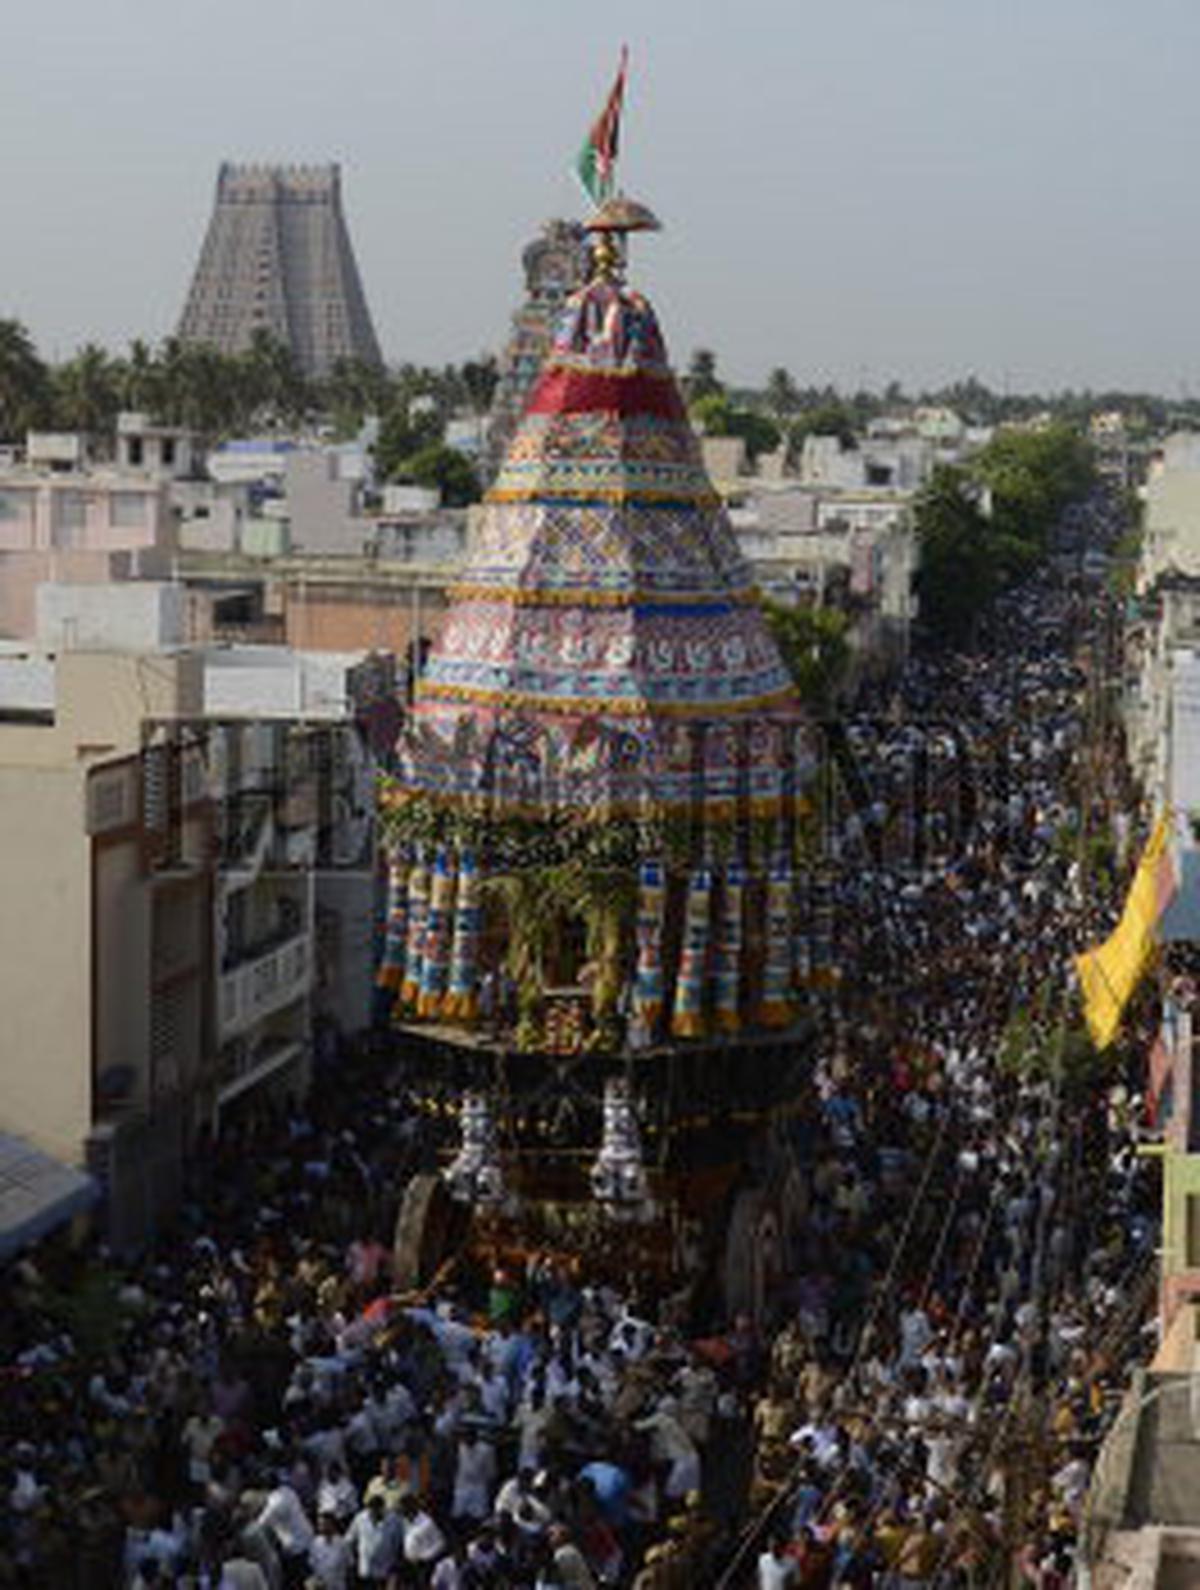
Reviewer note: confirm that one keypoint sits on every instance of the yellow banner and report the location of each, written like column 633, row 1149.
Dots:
column 1110, row 973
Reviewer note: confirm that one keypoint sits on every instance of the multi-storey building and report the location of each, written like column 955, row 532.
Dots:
column 186, row 838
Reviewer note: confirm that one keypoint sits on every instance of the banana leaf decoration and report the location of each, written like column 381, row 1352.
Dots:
column 391, row 967
column 435, row 963
column 418, row 910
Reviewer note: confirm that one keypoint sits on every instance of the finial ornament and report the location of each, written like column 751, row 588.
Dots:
column 610, row 225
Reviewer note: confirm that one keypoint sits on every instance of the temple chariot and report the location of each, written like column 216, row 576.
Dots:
column 595, row 837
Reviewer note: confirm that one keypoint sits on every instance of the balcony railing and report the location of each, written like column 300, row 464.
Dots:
column 263, row 985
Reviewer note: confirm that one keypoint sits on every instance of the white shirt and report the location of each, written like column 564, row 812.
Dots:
column 286, row 1519
column 376, row 1545
column 423, row 1540
column 329, row 1558
column 474, row 1476
column 338, row 1497
column 775, row 1573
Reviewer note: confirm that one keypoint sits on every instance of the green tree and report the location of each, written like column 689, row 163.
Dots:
column 353, row 389
column 479, row 378
column 443, row 468
column 814, row 644
column 702, row 380
column 825, row 419
column 270, row 381
column 87, row 392
column 25, row 395
column 402, row 433
column 782, row 394
column 1032, row 476
column 959, row 572
column 208, row 391
column 716, row 415
column 140, row 379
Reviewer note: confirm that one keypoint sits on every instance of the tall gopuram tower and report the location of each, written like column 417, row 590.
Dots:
column 593, row 835
column 554, row 267
column 277, row 258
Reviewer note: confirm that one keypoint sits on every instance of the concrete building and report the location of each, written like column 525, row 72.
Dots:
column 166, row 450
column 96, row 524
column 1162, row 662
column 277, row 258
column 103, row 947
column 187, row 841
column 851, row 549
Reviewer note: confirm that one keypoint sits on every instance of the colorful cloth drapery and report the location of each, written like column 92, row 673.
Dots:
column 391, row 966
column 776, row 1009
column 687, row 1020
column 439, row 928
column 727, row 979
column 462, row 997
column 418, row 911
column 648, row 979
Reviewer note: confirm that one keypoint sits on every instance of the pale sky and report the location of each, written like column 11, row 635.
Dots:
column 859, row 190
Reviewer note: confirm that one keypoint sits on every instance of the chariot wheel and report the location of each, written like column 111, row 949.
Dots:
column 428, row 1225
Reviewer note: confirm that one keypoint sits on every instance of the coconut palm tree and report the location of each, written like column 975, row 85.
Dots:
column 87, row 392
column 140, row 379
column 25, row 398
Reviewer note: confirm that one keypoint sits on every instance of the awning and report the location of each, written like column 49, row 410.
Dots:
column 37, row 1194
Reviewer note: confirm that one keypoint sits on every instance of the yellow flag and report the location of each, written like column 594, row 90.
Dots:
column 1110, row 973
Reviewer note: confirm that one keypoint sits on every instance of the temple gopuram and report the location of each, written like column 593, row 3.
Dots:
column 594, row 838
column 554, row 265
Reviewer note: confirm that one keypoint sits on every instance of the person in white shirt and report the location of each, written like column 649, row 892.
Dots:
column 516, row 1496
column 288, row 1524
column 451, row 1572
column 776, row 1571
column 474, row 1477
column 330, row 1555
column 375, row 1539
column 423, row 1540
column 337, row 1494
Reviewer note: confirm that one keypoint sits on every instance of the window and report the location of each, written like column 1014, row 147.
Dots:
column 14, row 505
column 70, row 510
column 127, row 510
column 168, row 450
column 135, row 452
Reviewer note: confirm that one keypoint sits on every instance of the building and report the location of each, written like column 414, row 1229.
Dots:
column 1162, row 660
column 187, row 836
column 62, row 518
column 277, row 258
column 853, row 549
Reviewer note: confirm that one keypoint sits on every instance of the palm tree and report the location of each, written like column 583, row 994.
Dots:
column 24, row 383
column 87, row 393
column 140, row 379
column 782, row 394
column 274, row 382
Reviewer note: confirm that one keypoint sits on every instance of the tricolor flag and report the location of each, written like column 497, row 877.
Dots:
column 596, row 163
column 1110, row 973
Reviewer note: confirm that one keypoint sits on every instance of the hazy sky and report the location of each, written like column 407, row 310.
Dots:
column 857, row 189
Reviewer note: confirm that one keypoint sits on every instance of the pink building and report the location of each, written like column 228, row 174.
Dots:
column 80, row 527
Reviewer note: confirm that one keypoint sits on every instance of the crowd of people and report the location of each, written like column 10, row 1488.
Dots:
column 251, row 1407
column 978, row 1261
